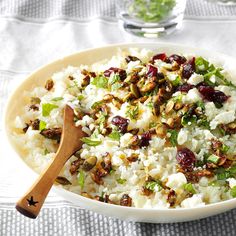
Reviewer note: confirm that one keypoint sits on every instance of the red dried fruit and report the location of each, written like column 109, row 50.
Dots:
column 179, row 59
column 160, row 56
column 185, row 88
column 212, row 95
column 145, row 138
column 121, row 123
column 151, row 71
column 186, row 159
column 126, row 200
column 131, row 58
column 188, row 68
column 120, row 72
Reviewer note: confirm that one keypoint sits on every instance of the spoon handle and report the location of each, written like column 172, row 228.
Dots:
column 31, row 203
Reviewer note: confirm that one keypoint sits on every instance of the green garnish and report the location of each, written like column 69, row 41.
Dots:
column 233, row 192
column 91, row 141
column 47, row 108
column 213, row 158
column 121, row 181
column 208, row 70
column 115, row 135
column 204, row 123
column 116, row 86
column 201, row 104
column 97, row 104
column 201, row 65
column 152, row 125
column 100, row 82
column 57, row 99
column 224, row 149
column 223, row 174
column 152, row 10
column 132, row 112
column 80, row 97
column 113, row 79
column 46, row 151
column 80, row 178
column 102, row 119
column 173, row 137
column 153, row 185
column 189, row 187
column 188, row 120
column 42, row 125
column 177, row 81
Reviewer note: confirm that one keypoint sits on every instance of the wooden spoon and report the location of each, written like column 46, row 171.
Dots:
column 31, row 203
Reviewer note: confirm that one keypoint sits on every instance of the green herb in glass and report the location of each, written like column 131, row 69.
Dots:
column 151, row 10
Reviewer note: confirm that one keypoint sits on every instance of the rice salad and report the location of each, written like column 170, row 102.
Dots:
column 161, row 129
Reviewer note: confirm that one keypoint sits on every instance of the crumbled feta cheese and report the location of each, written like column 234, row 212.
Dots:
column 125, row 139
column 195, row 79
column 176, row 181
column 194, row 201
column 182, row 136
column 223, row 118
column 192, row 96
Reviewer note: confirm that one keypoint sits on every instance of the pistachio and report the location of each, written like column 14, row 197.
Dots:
column 169, row 106
column 178, row 105
column 133, row 78
column 161, row 130
column 108, row 97
column 156, row 108
column 134, row 131
column 148, row 87
column 84, row 194
column 127, row 97
column 133, row 157
column 117, row 103
column 89, row 163
column 49, row 84
column 134, row 90
column 35, row 100
column 86, row 81
column 62, row 180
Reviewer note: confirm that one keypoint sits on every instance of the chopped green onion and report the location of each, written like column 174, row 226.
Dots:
column 91, row 142
column 81, row 178
column 80, row 97
column 100, row 82
column 115, row 135
column 47, row 108
column 224, row 149
column 213, row 158
column 132, row 112
column 177, row 81
column 42, row 125
column 153, row 185
column 233, row 192
column 188, row 120
column 121, row 181
column 57, row 99
column 173, row 137
column 201, row 65
column 189, row 187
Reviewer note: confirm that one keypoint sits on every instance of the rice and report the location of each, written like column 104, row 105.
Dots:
column 156, row 138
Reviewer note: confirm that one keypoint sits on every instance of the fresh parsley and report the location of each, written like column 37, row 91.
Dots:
column 100, row 82
column 132, row 112
column 91, row 141
column 115, row 135
column 81, row 178
column 173, row 137
column 189, row 188
column 42, row 125
column 47, row 108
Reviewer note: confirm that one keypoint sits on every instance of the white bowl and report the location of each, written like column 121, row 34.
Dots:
column 126, row 213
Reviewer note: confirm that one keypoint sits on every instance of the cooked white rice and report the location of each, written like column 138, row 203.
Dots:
column 157, row 165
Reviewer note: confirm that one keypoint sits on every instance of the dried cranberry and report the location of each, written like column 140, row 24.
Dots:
column 131, row 58
column 185, row 88
column 160, row 56
column 212, row 95
column 179, row 59
column 121, row 123
column 188, row 68
column 186, row 159
column 145, row 138
column 151, row 71
column 120, row 72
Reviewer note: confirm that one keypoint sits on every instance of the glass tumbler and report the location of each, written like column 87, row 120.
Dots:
column 150, row 18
